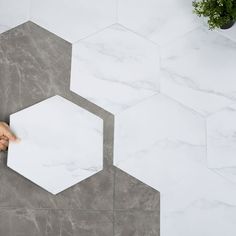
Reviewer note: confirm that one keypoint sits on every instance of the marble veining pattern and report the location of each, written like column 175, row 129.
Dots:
column 35, row 65
column 163, row 143
column 56, row 144
column 75, row 20
column 221, row 137
column 160, row 21
column 170, row 84
column 122, row 67
column 161, row 136
column 13, row 13
column 198, row 70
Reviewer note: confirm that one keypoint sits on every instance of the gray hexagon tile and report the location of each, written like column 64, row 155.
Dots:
column 136, row 207
column 136, row 223
column 115, row 68
column 62, row 144
column 131, row 194
column 46, row 222
column 13, row 13
column 160, row 21
column 195, row 72
column 75, row 19
column 34, row 65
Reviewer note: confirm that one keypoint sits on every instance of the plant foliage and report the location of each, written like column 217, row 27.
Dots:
column 218, row 12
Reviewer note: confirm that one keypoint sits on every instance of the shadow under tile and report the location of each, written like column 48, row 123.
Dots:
column 55, row 222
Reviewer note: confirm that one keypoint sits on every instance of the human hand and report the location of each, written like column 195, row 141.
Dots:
column 5, row 136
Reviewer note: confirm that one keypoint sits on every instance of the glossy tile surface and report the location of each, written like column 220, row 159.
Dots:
column 75, row 19
column 158, row 140
column 13, row 13
column 180, row 141
column 163, row 144
column 221, row 146
column 160, row 21
column 195, row 71
column 115, row 68
column 55, row 151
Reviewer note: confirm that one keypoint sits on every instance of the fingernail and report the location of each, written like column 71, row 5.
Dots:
column 17, row 140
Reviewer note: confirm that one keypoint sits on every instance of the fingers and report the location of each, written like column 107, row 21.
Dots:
column 5, row 130
column 3, row 148
column 3, row 144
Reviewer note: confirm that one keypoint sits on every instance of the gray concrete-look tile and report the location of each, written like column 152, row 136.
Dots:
column 34, row 65
column 130, row 193
column 27, row 222
column 136, row 223
column 94, row 193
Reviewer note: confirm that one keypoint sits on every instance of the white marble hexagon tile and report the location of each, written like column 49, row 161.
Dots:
column 55, row 167
column 115, row 68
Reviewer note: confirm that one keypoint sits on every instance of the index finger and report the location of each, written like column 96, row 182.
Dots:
column 7, row 132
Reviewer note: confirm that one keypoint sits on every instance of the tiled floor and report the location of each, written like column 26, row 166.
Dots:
column 166, row 89
column 35, row 65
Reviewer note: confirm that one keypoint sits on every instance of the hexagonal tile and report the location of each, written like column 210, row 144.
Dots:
column 160, row 21
column 162, row 143
column 221, row 138
column 159, row 141
column 75, row 19
column 13, row 13
column 61, row 144
column 115, row 68
column 195, row 71
column 221, row 146
column 229, row 33
column 35, row 64
column 203, row 203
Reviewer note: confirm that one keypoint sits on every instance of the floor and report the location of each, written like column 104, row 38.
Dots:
column 108, row 203
column 165, row 88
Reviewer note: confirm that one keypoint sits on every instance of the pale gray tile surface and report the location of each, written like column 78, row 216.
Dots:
column 34, row 65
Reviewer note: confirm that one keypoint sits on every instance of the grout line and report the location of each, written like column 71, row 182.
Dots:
column 140, row 35
column 136, row 210
column 92, row 34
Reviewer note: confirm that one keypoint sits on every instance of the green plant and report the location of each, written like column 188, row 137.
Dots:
column 218, row 12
